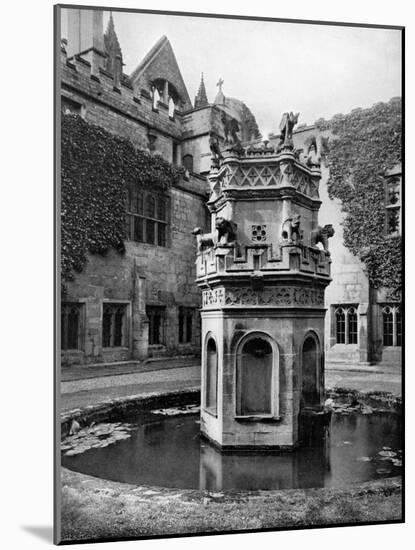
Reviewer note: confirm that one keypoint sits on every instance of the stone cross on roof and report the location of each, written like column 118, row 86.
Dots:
column 220, row 97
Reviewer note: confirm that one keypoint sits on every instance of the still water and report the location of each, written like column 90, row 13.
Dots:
column 170, row 453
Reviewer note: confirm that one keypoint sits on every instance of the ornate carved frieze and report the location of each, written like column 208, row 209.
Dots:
column 269, row 296
column 257, row 175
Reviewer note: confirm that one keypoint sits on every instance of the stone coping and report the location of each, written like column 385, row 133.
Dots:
column 150, row 492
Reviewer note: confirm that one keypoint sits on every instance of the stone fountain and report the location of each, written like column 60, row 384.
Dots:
column 263, row 269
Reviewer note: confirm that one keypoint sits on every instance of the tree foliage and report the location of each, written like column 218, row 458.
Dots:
column 97, row 169
column 363, row 145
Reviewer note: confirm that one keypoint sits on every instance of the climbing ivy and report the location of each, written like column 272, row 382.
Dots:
column 363, row 145
column 97, row 169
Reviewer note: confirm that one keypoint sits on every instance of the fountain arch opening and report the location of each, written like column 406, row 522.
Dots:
column 211, row 375
column 256, row 373
column 310, row 371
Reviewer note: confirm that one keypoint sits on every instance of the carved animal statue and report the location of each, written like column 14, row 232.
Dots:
column 215, row 149
column 231, row 129
column 226, row 230
column 288, row 121
column 322, row 235
column 291, row 229
column 225, row 233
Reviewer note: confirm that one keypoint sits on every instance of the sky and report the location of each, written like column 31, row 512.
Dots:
column 273, row 67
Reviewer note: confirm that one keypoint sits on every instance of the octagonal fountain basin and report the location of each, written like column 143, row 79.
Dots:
column 164, row 448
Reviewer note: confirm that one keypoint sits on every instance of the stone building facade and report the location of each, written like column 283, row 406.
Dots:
column 146, row 303
column 363, row 324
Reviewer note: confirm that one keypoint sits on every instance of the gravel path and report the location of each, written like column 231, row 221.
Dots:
column 89, row 391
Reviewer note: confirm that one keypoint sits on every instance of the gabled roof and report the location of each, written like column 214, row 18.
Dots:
column 161, row 63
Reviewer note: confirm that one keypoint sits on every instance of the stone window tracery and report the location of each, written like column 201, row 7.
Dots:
column 346, row 324
column 114, row 325
column 392, row 325
column 71, row 325
column 156, row 328
column 186, row 315
column 147, row 217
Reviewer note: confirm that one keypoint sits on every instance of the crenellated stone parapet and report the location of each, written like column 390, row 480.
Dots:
column 233, row 261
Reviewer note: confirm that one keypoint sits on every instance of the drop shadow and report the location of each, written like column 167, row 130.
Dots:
column 43, row 532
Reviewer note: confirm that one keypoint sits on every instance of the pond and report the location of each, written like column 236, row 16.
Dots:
column 169, row 452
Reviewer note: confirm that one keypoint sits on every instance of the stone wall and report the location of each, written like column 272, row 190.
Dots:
column 144, row 275
column 349, row 284
column 120, row 111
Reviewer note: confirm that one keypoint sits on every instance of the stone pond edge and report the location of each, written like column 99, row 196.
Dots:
column 117, row 409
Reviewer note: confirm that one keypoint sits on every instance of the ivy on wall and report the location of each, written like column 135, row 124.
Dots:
column 97, row 169
column 362, row 146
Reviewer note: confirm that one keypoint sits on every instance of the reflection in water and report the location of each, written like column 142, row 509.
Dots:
column 249, row 470
column 170, row 453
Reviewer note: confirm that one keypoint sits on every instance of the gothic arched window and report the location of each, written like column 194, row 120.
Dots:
column 114, row 325
column 71, row 325
column 352, row 325
column 392, row 325
column 340, row 326
column 346, row 324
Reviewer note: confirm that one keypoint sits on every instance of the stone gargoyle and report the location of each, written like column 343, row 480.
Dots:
column 224, row 234
column 291, row 229
column 322, row 235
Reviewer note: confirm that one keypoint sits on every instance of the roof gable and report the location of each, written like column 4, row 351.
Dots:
column 161, row 63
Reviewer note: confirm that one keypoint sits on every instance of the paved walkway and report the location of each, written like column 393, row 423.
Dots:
column 83, row 386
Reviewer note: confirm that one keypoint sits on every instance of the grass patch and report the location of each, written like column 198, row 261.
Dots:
column 105, row 511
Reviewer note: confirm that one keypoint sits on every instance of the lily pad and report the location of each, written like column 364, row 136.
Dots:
column 387, row 454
